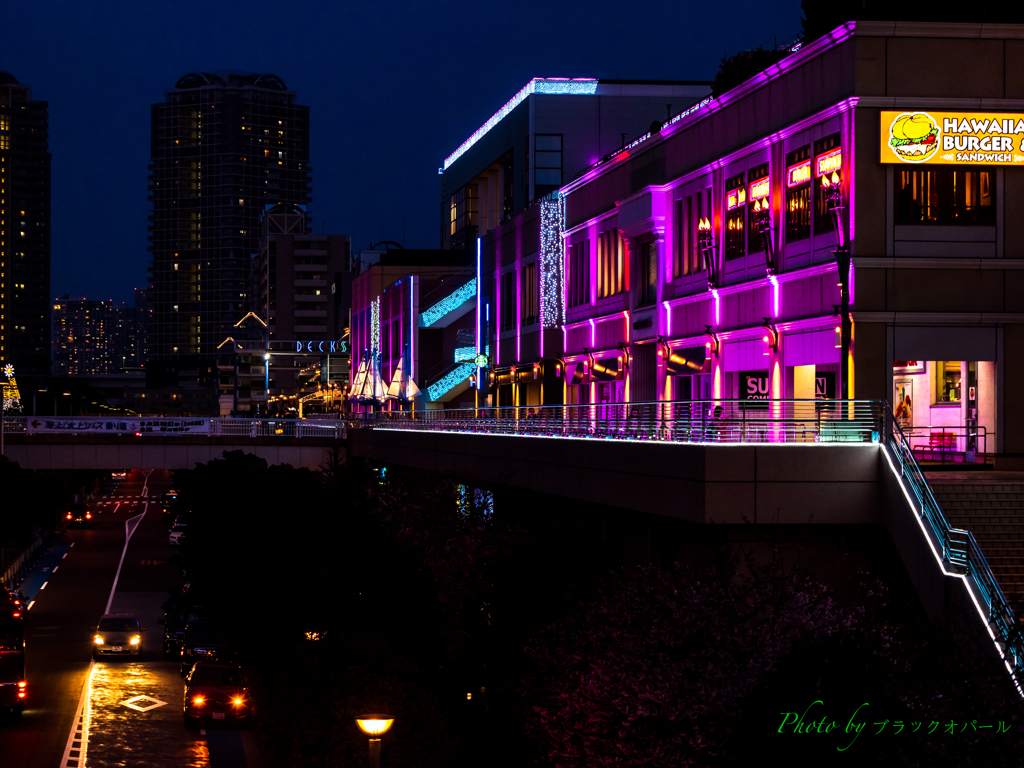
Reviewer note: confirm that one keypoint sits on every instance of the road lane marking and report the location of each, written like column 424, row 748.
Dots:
column 116, row 506
column 55, row 569
column 29, row 606
column 72, row 544
column 143, row 703
column 145, row 491
column 130, row 525
column 44, row 586
column 64, row 555
column 78, row 739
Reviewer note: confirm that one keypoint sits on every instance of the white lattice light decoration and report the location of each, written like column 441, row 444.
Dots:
column 449, row 303
column 551, row 249
column 375, row 325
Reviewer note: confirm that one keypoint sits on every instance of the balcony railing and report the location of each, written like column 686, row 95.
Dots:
column 719, row 421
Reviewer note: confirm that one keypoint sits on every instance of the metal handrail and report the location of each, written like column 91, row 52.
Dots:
column 712, row 421
column 961, row 551
column 219, row 427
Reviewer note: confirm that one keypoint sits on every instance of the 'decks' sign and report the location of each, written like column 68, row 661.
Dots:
column 952, row 138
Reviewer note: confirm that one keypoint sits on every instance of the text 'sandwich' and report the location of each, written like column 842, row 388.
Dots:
column 915, row 137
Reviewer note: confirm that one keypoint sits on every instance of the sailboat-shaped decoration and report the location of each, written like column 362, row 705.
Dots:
column 360, row 380
column 402, row 387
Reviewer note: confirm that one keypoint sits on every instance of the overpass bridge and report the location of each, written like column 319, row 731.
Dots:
column 773, row 463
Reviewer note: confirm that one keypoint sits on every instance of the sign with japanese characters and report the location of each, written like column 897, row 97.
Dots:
column 115, row 426
column 952, row 138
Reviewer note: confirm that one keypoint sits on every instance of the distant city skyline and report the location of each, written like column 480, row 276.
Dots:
column 391, row 98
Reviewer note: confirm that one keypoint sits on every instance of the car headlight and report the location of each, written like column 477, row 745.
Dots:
column 197, row 700
column 135, row 640
column 98, row 639
column 238, row 702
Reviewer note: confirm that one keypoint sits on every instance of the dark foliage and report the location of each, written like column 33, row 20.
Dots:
column 822, row 16
column 740, row 67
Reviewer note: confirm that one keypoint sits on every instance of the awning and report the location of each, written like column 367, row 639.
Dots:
column 576, row 373
column 606, row 370
column 685, row 362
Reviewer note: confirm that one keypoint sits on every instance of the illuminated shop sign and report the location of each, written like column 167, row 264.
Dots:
column 952, row 138
column 799, row 174
column 759, row 189
column 736, row 198
column 829, row 163
column 322, row 346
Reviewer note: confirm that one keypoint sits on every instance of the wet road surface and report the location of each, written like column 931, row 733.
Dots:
column 131, row 706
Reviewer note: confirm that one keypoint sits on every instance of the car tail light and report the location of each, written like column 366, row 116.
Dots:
column 69, row 515
column 197, row 700
column 237, row 702
column 22, row 683
column 88, row 515
column 17, row 614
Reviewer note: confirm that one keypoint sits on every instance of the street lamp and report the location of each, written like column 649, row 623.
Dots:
column 831, row 187
column 706, row 243
column 374, row 726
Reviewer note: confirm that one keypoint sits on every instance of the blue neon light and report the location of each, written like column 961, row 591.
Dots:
column 469, row 353
column 449, row 303
column 441, row 387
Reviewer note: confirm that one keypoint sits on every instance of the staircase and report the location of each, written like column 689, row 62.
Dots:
column 991, row 506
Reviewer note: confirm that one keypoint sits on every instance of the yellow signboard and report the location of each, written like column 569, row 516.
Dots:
column 952, row 138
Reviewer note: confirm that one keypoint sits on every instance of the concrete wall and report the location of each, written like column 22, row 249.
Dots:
column 162, row 453
column 790, row 484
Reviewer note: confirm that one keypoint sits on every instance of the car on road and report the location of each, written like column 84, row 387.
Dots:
column 119, row 474
column 203, row 642
column 13, row 686
column 215, row 691
column 117, row 633
column 178, row 533
column 79, row 516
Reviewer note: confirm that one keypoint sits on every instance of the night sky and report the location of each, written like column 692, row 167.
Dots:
column 392, row 87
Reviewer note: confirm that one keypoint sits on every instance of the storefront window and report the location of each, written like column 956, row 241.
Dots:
column 798, row 195
column 945, row 196
column 947, row 382
column 735, row 217
column 757, row 189
column 827, row 160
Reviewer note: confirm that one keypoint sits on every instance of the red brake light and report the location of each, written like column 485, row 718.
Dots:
column 69, row 515
column 17, row 615
column 22, row 683
column 88, row 515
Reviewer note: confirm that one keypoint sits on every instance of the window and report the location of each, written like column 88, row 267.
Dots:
column 798, row 195
column 508, row 300
column 950, row 196
column 578, row 288
column 681, row 251
column 463, row 208
column 547, row 161
column 735, row 217
column 758, row 188
column 827, row 160
column 611, row 273
column 531, row 286
column 947, row 381
column 648, row 274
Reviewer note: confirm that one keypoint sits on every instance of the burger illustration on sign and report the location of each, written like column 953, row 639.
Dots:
column 914, row 136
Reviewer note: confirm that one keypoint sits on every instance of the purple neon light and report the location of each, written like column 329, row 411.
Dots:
column 479, row 329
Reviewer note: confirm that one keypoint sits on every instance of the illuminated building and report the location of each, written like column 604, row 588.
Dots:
column 224, row 145
column 24, row 229
column 294, row 277
column 94, row 338
column 703, row 261
column 416, row 308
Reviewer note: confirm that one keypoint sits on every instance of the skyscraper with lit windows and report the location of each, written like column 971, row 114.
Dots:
column 24, row 229
column 224, row 145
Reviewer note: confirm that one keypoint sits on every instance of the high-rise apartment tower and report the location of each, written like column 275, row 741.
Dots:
column 224, row 145
column 24, row 229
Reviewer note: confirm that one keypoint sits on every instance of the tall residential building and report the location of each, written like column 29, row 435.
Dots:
column 24, row 229
column 95, row 337
column 224, row 145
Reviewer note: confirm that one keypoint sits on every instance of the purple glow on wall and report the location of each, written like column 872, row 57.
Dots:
column 412, row 325
column 718, row 306
column 593, row 334
column 668, row 318
column 775, row 294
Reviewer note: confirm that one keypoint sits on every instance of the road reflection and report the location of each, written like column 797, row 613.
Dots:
column 135, row 718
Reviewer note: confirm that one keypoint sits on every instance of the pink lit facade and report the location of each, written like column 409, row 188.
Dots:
column 652, row 311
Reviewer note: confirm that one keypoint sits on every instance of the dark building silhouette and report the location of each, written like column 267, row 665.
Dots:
column 224, row 145
column 24, row 229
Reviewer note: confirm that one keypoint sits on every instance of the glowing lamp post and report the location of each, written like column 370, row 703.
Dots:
column 831, row 187
column 375, row 726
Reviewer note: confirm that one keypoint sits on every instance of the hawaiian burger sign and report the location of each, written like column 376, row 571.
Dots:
column 952, row 138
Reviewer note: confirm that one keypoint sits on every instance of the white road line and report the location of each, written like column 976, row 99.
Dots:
column 54, row 569
column 145, row 492
column 129, row 528
column 116, row 506
column 78, row 739
column 29, row 606
column 44, row 586
column 64, row 555
column 72, row 544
